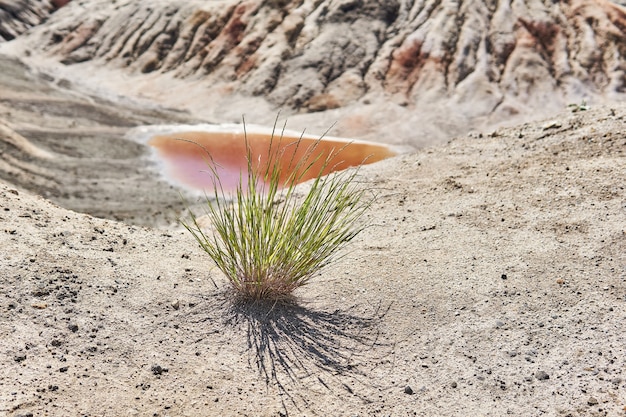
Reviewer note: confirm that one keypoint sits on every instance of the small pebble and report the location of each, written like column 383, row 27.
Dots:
column 454, row 384
column 176, row 305
column 552, row 125
column 408, row 390
column 158, row 370
column 542, row 376
column 592, row 401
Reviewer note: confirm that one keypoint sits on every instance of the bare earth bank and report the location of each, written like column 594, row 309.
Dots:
column 491, row 280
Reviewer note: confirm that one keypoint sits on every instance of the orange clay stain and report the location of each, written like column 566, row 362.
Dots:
column 186, row 156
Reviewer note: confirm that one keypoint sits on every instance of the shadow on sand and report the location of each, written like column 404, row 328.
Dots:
column 291, row 344
column 286, row 336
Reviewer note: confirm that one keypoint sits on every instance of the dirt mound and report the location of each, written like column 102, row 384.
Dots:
column 447, row 66
column 490, row 278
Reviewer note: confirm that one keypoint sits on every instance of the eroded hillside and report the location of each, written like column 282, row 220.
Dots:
column 469, row 61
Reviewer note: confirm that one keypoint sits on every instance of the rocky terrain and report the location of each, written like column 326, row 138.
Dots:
column 490, row 279
column 18, row 16
column 376, row 67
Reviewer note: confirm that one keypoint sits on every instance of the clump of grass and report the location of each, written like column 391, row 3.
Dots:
column 268, row 239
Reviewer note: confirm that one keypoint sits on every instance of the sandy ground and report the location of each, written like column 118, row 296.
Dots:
column 491, row 280
column 88, row 163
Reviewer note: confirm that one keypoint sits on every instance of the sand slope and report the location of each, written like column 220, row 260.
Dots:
column 491, row 280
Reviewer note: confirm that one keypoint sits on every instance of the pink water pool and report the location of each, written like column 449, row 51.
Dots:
column 186, row 155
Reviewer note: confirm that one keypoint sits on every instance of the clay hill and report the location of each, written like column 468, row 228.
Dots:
column 375, row 67
column 490, row 279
